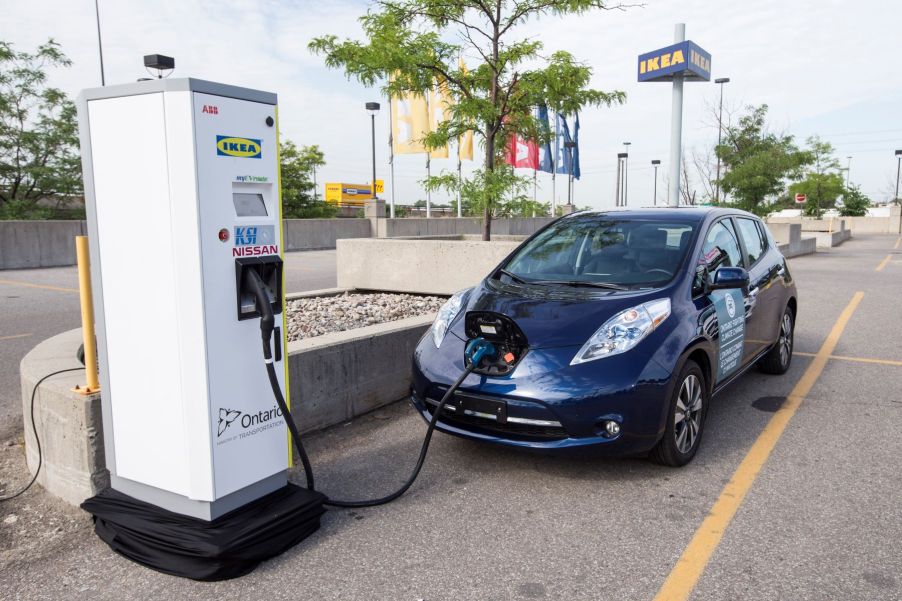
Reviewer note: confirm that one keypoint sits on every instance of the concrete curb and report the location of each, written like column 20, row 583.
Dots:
column 69, row 425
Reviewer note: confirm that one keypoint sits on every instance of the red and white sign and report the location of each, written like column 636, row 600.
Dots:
column 523, row 153
column 800, row 198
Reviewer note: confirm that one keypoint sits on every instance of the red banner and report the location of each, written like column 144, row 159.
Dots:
column 523, row 153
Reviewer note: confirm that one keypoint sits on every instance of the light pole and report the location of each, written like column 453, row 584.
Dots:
column 848, row 172
column 570, row 146
column 99, row 42
column 655, row 163
column 626, row 163
column 373, row 108
column 898, row 164
column 720, row 81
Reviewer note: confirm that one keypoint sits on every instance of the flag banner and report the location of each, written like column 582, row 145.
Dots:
column 523, row 153
column 465, row 146
column 464, row 142
column 563, row 153
column 438, row 105
column 410, row 122
column 546, row 160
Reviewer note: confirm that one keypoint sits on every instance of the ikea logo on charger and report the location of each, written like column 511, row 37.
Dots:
column 233, row 146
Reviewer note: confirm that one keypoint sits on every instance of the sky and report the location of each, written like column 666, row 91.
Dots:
column 825, row 67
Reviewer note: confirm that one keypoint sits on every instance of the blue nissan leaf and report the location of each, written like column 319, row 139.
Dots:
column 613, row 330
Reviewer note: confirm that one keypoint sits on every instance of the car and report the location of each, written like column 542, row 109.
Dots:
column 613, row 331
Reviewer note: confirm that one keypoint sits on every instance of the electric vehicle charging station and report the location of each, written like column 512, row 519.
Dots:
column 182, row 196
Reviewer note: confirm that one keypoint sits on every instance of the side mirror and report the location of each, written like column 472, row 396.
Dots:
column 729, row 277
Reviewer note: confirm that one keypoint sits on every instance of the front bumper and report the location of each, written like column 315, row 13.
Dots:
column 550, row 404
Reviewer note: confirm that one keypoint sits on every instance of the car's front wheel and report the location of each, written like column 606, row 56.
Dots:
column 685, row 420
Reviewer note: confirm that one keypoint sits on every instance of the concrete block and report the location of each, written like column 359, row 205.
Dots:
column 317, row 234
column 69, row 425
column 419, row 266
column 342, row 375
column 30, row 244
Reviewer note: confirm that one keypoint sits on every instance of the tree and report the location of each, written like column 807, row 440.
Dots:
column 38, row 132
column 823, row 182
column 414, row 45
column 756, row 163
column 297, row 165
column 855, row 203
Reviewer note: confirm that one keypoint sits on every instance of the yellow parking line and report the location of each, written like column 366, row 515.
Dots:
column 43, row 286
column 14, row 336
column 883, row 263
column 856, row 359
column 898, row 240
column 688, row 569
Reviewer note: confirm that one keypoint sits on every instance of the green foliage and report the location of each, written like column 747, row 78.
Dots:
column 501, row 190
column 297, row 166
column 822, row 182
column 39, row 157
column 855, row 203
column 757, row 162
column 411, row 45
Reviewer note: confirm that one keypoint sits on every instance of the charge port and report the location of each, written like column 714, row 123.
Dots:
column 507, row 337
column 270, row 270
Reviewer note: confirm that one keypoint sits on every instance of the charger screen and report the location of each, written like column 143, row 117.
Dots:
column 249, row 205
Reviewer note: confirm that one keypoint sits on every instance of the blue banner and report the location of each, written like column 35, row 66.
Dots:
column 562, row 153
column 546, row 160
column 687, row 59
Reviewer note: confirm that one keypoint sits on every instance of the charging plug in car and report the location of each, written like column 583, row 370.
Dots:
column 506, row 337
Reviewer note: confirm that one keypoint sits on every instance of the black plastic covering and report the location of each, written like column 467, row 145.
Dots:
column 227, row 547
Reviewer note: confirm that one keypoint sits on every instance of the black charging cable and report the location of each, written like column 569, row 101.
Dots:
column 255, row 284
column 34, row 429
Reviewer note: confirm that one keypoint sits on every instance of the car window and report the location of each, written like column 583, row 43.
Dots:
column 755, row 244
column 721, row 249
column 605, row 249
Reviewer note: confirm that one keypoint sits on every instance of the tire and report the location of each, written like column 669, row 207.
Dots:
column 683, row 432
column 779, row 358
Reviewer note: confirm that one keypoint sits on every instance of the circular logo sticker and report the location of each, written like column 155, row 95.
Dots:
column 731, row 305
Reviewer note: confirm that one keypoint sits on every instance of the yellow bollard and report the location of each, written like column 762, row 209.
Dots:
column 87, row 316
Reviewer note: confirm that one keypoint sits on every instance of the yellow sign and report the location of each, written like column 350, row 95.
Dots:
column 352, row 194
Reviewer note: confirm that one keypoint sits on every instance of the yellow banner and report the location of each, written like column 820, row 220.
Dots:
column 465, row 142
column 438, row 105
column 409, row 123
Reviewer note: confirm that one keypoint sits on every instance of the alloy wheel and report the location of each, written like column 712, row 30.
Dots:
column 785, row 339
column 687, row 418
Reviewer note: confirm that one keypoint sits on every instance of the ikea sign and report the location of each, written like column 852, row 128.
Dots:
column 686, row 59
column 233, row 146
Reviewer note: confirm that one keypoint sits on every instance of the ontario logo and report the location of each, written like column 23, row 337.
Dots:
column 244, row 148
column 244, row 424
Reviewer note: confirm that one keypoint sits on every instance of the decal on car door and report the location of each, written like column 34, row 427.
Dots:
column 731, row 330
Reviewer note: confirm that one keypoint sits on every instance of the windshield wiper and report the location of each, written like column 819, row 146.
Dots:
column 514, row 276
column 605, row 285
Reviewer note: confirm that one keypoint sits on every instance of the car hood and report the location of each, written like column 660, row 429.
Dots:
column 551, row 316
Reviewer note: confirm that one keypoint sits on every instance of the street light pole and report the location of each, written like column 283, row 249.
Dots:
column 720, row 81
column 898, row 165
column 655, row 163
column 570, row 146
column 848, row 172
column 373, row 108
column 626, row 163
column 99, row 43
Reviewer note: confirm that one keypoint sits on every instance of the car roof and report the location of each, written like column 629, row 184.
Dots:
column 682, row 213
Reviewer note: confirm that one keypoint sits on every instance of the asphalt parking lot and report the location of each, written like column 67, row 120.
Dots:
column 794, row 493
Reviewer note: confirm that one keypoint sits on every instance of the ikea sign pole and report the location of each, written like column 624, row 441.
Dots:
column 683, row 61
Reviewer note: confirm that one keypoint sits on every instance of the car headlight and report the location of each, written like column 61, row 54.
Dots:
column 624, row 331
column 445, row 316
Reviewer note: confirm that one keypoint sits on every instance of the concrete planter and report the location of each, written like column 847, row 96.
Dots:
column 332, row 379
column 422, row 266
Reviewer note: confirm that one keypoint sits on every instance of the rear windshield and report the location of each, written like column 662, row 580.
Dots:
column 602, row 249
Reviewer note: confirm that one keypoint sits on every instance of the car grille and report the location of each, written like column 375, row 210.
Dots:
column 510, row 429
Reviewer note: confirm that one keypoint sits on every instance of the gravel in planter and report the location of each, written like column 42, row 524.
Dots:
column 315, row 316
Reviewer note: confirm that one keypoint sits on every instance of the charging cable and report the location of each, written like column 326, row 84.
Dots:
column 34, row 429
column 476, row 350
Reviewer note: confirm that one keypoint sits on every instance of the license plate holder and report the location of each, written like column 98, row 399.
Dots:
column 482, row 405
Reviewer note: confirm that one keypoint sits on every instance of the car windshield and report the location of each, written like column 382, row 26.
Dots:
column 604, row 251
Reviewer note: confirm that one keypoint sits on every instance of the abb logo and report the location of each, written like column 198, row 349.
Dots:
column 209, row 109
